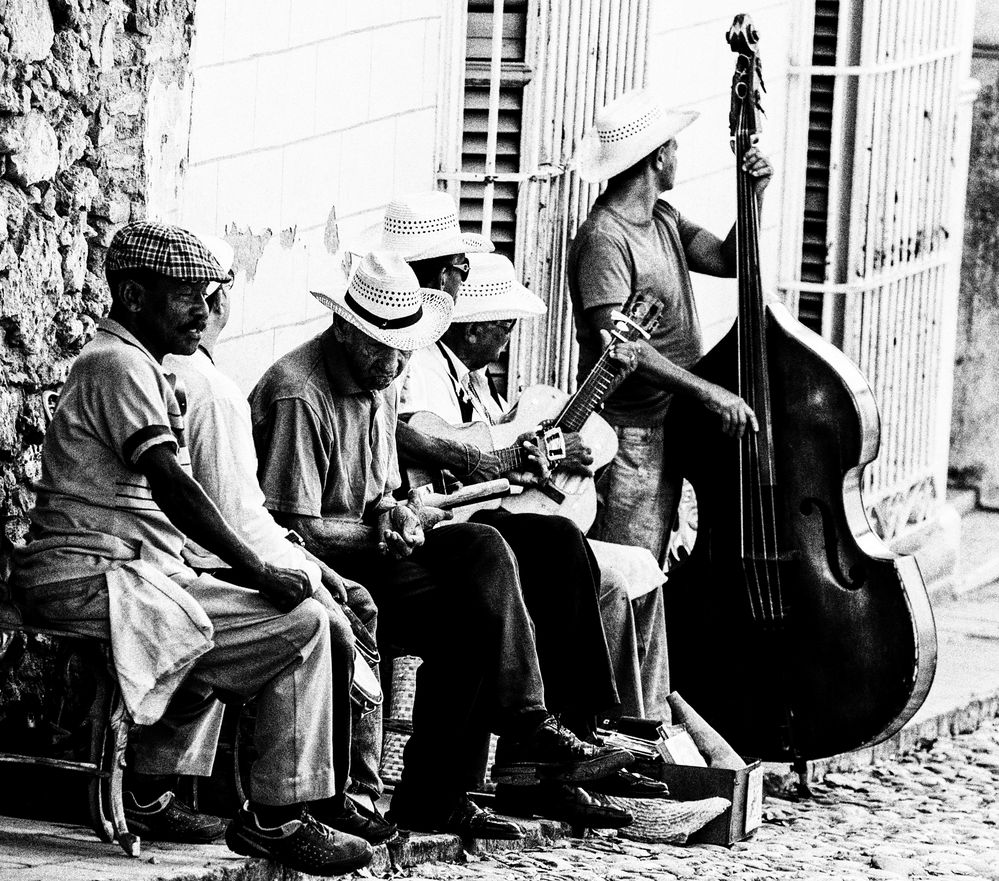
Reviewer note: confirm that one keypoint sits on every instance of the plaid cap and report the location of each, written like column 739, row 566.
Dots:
column 165, row 249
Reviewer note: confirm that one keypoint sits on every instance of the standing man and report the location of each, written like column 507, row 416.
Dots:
column 324, row 421
column 114, row 504
column 634, row 240
column 223, row 461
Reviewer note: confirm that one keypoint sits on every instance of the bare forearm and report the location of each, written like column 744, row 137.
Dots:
column 425, row 449
column 327, row 537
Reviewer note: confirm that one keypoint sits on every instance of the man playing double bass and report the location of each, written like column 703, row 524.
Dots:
column 634, row 240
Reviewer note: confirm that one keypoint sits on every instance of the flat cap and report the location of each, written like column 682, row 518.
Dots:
column 165, row 249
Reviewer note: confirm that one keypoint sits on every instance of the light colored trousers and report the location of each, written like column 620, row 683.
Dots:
column 637, row 495
column 282, row 659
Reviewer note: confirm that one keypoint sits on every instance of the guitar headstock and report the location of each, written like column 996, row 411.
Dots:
column 747, row 81
column 638, row 317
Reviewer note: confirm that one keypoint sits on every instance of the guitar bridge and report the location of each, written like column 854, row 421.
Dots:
column 553, row 492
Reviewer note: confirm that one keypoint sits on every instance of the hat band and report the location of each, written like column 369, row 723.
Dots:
column 377, row 320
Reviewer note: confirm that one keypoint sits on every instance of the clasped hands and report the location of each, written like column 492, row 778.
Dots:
column 401, row 529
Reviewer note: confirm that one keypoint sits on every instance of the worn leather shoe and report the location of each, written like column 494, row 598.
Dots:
column 351, row 818
column 628, row 784
column 562, row 802
column 169, row 819
column 553, row 752
column 305, row 844
column 466, row 819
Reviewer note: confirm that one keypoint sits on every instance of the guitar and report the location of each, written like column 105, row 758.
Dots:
column 542, row 408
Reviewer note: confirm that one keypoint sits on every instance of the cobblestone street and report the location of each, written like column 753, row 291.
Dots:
column 931, row 814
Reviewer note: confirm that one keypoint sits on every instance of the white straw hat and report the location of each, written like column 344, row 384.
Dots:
column 384, row 299
column 492, row 292
column 420, row 226
column 222, row 251
column 625, row 132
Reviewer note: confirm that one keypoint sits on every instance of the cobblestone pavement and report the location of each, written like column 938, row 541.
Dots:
column 931, row 814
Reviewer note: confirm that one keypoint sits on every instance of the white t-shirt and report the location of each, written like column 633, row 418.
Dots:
column 438, row 381
column 224, row 462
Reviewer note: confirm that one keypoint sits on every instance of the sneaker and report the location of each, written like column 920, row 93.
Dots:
column 465, row 819
column 553, row 752
column 304, row 845
column 354, row 819
column 560, row 801
column 169, row 819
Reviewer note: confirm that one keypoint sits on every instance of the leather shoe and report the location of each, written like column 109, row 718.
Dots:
column 628, row 784
column 553, row 752
column 562, row 802
column 348, row 816
column 169, row 819
column 466, row 819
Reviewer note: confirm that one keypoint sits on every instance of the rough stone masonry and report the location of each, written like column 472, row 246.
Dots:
column 76, row 78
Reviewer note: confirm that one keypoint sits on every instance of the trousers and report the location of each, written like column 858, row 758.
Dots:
column 456, row 602
column 283, row 660
column 637, row 497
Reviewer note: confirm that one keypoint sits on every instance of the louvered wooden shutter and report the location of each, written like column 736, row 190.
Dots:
column 473, row 149
column 814, row 244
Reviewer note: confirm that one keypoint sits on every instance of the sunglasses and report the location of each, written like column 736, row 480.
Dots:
column 462, row 267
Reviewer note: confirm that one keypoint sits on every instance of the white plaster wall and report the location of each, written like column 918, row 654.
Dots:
column 307, row 117
column 692, row 64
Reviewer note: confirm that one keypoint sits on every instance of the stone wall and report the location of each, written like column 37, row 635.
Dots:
column 77, row 81
column 974, row 459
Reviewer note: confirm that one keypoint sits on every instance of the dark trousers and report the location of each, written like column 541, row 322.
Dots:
column 457, row 604
column 560, row 579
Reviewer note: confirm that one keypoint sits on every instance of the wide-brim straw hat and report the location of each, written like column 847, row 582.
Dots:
column 419, row 227
column 492, row 292
column 625, row 132
column 384, row 300
column 222, row 251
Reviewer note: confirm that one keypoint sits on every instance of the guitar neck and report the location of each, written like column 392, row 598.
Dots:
column 589, row 396
column 511, row 459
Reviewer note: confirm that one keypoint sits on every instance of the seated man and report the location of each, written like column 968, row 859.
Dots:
column 115, row 502
column 324, row 424
column 450, row 380
column 224, row 462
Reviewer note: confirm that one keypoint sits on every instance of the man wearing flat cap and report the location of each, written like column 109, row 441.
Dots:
column 115, row 502
column 324, row 420
column 635, row 240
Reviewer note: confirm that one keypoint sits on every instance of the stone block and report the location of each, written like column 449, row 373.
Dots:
column 29, row 24
column 38, row 157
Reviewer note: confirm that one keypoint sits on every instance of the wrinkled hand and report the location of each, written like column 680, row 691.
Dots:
column 399, row 532
column 759, row 168
column 537, row 470
column 578, row 456
column 333, row 583
column 736, row 415
column 428, row 516
column 285, row 588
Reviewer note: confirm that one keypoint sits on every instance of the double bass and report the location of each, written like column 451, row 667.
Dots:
column 792, row 628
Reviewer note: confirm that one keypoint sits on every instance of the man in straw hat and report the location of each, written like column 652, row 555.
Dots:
column 324, row 422
column 224, row 462
column 633, row 240
column 115, row 502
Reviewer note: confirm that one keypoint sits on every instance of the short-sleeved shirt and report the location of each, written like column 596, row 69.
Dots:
column 93, row 506
column 610, row 258
column 224, row 462
column 326, row 447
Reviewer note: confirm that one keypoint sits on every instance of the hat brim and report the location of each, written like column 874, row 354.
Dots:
column 370, row 239
column 596, row 163
column 519, row 303
column 437, row 309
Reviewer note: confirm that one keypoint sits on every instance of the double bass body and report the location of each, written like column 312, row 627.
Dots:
column 840, row 649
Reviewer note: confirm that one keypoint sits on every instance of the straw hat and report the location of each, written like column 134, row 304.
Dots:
column 384, row 299
column 492, row 293
column 222, row 251
column 420, row 226
column 625, row 132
